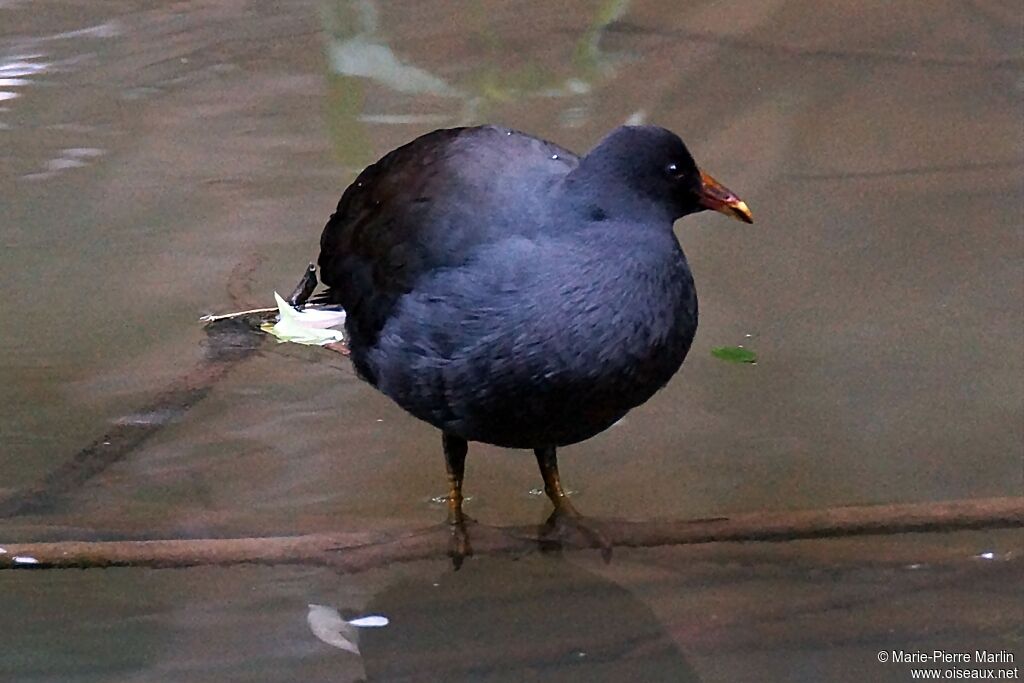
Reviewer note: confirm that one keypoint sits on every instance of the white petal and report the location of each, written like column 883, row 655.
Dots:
column 319, row 317
column 292, row 327
column 327, row 625
column 370, row 621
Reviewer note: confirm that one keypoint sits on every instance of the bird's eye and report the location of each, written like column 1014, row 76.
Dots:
column 672, row 171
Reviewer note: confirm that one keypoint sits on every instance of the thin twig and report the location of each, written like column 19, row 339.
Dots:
column 209, row 318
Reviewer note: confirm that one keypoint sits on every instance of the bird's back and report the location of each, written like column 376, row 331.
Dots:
column 429, row 205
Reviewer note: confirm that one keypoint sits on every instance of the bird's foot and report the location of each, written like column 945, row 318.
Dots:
column 459, row 547
column 567, row 524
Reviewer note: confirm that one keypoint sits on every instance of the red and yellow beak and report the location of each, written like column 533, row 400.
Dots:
column 718, row 197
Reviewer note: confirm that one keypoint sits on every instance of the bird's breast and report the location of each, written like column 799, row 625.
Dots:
column 538, row 346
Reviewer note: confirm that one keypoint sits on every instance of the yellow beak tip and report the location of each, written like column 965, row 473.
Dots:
column 742, row 212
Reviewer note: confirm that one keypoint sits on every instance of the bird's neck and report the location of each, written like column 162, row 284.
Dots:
column 587, row 194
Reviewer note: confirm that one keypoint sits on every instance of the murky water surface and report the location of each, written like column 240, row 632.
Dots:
column 161, row 161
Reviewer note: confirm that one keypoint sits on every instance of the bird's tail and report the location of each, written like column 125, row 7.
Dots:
column 307, row 285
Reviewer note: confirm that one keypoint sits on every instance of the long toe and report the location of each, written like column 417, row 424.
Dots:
column 459, row 547
column 566, row 525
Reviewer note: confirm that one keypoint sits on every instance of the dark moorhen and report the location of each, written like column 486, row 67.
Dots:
column 507, row 291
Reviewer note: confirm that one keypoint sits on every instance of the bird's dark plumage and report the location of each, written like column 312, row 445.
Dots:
column 507, row 291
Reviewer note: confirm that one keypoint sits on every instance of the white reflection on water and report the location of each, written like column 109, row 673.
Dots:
column 25, row 60
column 21, row 67
column 11, row 76
column 71, row 157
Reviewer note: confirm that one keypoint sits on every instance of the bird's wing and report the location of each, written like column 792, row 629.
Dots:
column 428, row 205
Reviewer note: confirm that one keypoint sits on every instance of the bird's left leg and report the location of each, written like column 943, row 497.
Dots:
column 455, row 449
column 566, row 514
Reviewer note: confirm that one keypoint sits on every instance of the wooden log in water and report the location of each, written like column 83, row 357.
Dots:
column 354, row 552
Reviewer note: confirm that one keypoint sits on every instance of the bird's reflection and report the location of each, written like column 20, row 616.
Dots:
column 537, row 617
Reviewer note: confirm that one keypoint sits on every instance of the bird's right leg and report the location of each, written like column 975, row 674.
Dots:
column 455, row 449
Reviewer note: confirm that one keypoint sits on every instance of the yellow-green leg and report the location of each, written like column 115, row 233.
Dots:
column 566, row 515
column 455, row 449
column 547, row 461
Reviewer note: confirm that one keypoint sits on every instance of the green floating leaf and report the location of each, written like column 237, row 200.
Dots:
column 734, row 354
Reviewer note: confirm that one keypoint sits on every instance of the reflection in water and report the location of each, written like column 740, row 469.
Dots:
column 75, row 157
column 356, row 50
column 12, row 75
column 540, row 617
column 28, row 61
column 21, row 67
column 328, row 625
column 358, row 53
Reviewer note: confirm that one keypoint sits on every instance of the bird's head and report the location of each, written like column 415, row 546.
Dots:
column 653, row 164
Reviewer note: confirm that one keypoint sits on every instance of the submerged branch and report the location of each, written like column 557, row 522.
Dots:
column 228, row 343
column 355, row 552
